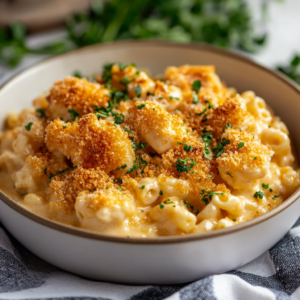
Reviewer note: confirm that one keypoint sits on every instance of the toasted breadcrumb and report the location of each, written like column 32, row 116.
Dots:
column 77, row 94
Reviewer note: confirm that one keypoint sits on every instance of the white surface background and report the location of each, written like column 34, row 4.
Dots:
column 283, row 27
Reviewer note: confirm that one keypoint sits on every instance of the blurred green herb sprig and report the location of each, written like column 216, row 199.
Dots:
column 225, row 23
column 292, row 70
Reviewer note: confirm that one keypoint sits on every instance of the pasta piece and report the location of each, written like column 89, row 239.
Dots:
column 148, row 190
column 91, row 143
column 155, row 125
column 168, row 96
column 104, row 208
column 78, row 95
column 245, row 159
column 171, row 218
column 233, row 205
column 280, row 144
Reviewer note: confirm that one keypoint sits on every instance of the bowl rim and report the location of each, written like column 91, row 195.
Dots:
column 84, row 233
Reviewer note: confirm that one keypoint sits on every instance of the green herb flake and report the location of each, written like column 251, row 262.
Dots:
column 122, row 167
column 195, row 99
column 234, row 220
column 138, row 91
column 255, row 158
column 196, row 212
column 161, row 192
column 276, row 196
column 196, row 86
column 183, row 166
column 259, row 194
column 107, row 187
column 28, row 126
column 44, row 171
column 228, row 126
column 208, row 175
column 229, row 174
column 142, row 187
column 41, row 112
column 141, row 106
column 65, row 126
column 73, row 114
column 161, row 206
column 74, row 168
column 186, row 147
column 240, row 145
column 119, row 188
column 270, row 190
column 207, row 195
column 265, row 186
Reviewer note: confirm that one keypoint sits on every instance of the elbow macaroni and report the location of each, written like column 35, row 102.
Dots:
column 136, row 156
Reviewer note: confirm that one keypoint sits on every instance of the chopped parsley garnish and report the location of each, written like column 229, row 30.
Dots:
column 228, row 126
column 138, row 163
column 200, row 114
column 208, row 176
column 207, row 195
column 196, row 86
column 77, row 74
column 240, row 145
column 265, row 186
column 219, row 150
column 234, row 220
column 141, row 106
column 126, row 80
column 122, row 168
column 104, row 112
column 119, row 188
column 255, row 158
column 276, row 196
column 186, row 147
column 195, row 99
column 196, row 211
column 141, row 145
column 188, row 205
column 74, row 168
column 44, row 171
column 107, row 187
column 41, row 112
column 187, row 132
column 127, row 130
column 161, row 192
column 59, row 173
column 65, row 126
column 177, row 111
column 259, row 194
column 28, row 126
column 73, row 114
column 271, row 190
column 118, row 180
column 207, row 137
column 168, row 201
column 182, row 164
column 229, row 174
column 138, row 90
column 107, row 74
column 161, row 206
column 209, row 104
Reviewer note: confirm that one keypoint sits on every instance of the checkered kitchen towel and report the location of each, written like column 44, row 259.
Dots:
column 274, row 275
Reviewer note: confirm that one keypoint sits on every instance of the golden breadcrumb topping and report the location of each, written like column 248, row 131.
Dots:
column 76, row 94
column 133, row 155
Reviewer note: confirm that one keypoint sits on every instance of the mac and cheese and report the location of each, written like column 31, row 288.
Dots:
column 135, row 156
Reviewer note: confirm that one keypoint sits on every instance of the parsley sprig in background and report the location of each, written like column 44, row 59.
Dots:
column 225, row 23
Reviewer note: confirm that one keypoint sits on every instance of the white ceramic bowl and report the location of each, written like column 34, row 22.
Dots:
column 164, row 260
